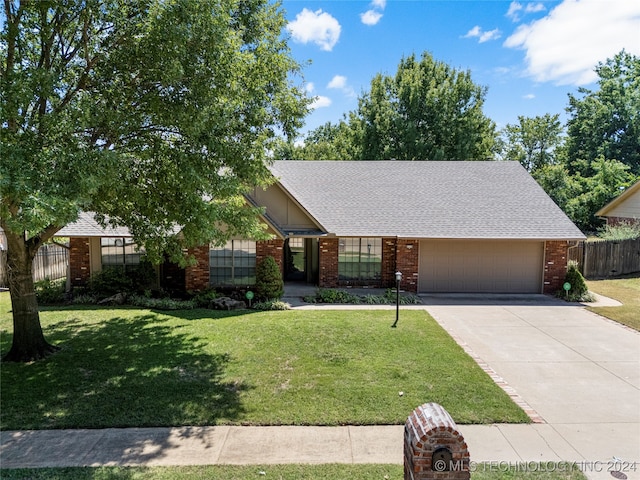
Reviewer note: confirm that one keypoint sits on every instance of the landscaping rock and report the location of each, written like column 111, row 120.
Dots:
column 227, row 303
column 117, row 299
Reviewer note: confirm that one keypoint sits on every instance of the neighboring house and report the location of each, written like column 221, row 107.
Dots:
column 625, row 208
column 447, row 226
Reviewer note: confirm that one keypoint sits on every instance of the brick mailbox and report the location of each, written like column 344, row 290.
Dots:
column 433, row 446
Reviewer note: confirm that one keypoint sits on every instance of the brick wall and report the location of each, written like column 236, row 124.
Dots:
column 388, row 262
column 79, row 261
column 328, row 275
column 407, row 263
column 428, row 428
column 613, row 221
column 555, row 265
column 197, row 275
column 271, row 248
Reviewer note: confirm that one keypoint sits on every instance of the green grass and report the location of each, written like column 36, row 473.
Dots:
column 124, row 367
column 625, row 290
column 280, row 472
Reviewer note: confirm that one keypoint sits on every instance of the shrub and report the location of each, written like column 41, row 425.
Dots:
column 269, row 284
column 579, row 291
column 116, row 279
column 621, row 231
column 272, row 305
column 50, row 291
column 85, row 299
column 109, row 281
column 161, row 303
column 204, row 299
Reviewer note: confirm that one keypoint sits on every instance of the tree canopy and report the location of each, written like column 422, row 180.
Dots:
column 153, row 114
column 426, row 111
column 533, row 141
column 605, row 123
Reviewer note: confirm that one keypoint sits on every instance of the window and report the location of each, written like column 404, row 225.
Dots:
column 233, row 264
column 119, row 252
column 359, row 259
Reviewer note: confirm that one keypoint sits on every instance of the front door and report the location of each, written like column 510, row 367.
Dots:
column 301, row 260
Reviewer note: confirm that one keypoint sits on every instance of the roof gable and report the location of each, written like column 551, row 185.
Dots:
column 625, row 205
column 425, row 199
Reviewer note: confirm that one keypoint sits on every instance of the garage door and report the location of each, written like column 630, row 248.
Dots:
column 470, row 266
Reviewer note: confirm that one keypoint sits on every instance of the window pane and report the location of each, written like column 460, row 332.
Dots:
column 359, row 259
column 233, row 264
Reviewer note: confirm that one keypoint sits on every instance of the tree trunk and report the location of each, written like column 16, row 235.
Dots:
column 29, row 343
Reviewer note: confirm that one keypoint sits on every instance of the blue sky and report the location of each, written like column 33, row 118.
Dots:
column 530, row 55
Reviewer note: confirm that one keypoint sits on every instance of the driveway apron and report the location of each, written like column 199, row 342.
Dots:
column 579, row 371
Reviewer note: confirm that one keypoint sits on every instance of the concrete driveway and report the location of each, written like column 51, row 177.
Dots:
column 579, row 371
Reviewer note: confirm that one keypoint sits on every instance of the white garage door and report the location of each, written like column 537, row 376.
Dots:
column 473, row 266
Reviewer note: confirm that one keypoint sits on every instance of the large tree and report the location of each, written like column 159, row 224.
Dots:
column 532, row 141
column 153, row 114
column 427, row 111
column 605, row 123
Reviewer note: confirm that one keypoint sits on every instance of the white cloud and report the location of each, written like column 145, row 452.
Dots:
column 320, row 101
column 310, row 87
column 374, row 14
column 317, row 27
column 535, row 8
column 514, row 11
column 482, row 36
column 370, row 17
column 566, row 45
column 339, row 81
column 529, row 96
column 516, row 8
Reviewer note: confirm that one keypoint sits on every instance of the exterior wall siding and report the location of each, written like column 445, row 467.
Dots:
column 555, row 265
column 79, row 261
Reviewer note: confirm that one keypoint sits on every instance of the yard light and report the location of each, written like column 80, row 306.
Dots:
column 398, row 278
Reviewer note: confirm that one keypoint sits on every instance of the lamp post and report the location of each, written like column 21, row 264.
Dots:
column 398, row 278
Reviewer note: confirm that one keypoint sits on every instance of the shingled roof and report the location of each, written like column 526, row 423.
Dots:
column 471, row 200
column 86, row 226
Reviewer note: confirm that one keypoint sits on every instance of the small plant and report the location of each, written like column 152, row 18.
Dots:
column 621, row 231
column 50, row 291
column 578, row 291
column 272, row 305
column 85, row 299
column 269, row 284
column 204, row 299
column 161, row 303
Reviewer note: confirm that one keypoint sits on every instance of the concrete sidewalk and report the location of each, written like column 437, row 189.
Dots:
column 578, row 373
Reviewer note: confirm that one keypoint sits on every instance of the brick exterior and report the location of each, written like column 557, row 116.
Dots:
column 79, row 261
column 429, row 428
column 614, row 221
column 555, row 265
column 407, row 254
column 328, row 277
column 389, row 262
column 197, row 275
column 271, row 248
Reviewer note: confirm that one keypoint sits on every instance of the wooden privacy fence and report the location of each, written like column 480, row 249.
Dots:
column 607, row 258
column 50, row 262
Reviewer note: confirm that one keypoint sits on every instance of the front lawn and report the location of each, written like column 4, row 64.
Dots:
column 282, row 472
column 625, row 290
column 125, row 367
